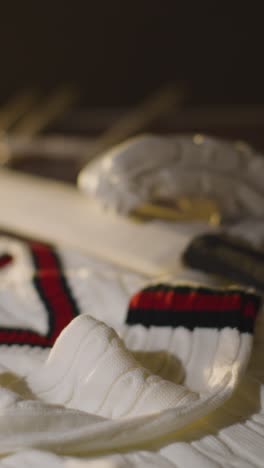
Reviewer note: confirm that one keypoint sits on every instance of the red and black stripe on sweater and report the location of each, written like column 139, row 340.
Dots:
column 160, row 305
column 164, row 305
column 55, row 293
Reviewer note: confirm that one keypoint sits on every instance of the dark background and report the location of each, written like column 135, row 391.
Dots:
column 117, row 51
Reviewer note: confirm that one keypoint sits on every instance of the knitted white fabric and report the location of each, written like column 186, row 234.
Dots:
column 204, row 328
column 90, row 369
column 232, row 436
column 156, row 383
column 42, row 459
